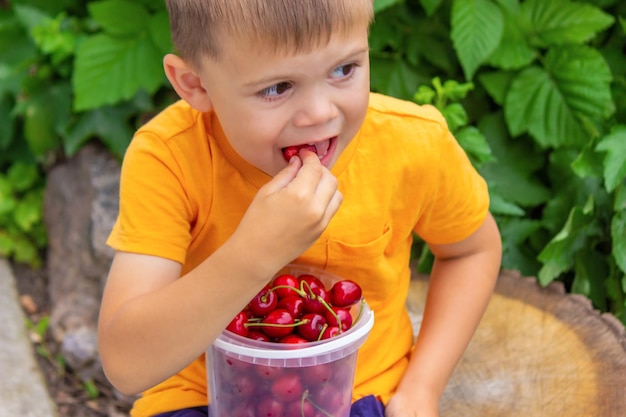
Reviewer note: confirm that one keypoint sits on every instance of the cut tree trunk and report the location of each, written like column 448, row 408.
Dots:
column 537, row 352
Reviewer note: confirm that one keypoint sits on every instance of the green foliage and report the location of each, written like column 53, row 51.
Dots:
column 534, row 90
column 22, row 233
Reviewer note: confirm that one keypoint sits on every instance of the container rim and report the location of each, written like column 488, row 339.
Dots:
column 354, row 336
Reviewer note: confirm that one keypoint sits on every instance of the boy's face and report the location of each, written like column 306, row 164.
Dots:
column 266, row 102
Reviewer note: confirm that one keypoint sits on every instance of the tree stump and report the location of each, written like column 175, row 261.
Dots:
column 537, row 352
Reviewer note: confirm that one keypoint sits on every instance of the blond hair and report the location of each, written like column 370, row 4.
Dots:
column 280, row 25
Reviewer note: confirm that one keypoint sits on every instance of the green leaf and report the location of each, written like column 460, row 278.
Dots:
column 455, row 115
column 475, row 145
column 107, row 124
column 516, row 253
column 497, row 84
column 477, row 27
column 119, row 17
column 6, row 244
column 109, row 70
column 29, row 210
column 620, row 198
column 380, row 5
column 618, row 238
column 614, row 144
column 589, row 162
column 430, row 6
column 6, row 121
column 395, row 78
column 498, row 205
column 558, row 256
column 159, row 27
column 22, row 176
column 46, row 113
column 513, row 52
column 30, row 17
column 512, row 173
column 590, row 270
column 546, row 101
column 559, row 22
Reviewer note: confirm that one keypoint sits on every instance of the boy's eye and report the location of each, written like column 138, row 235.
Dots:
column 275, row 90
column 343, row 71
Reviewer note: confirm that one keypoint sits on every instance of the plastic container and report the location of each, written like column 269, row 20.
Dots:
column 249, row 378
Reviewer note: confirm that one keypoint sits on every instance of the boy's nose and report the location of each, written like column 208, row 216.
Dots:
column 315, row 109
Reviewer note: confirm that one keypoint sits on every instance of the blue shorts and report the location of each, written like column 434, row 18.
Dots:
column 368, row 406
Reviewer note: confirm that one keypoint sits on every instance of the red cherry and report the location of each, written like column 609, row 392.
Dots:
column 266, row 372
column 345, row 293
column 315, row 300
column 244, row 385
column 269, row 407
column 344, row 316
column 282, row 285
column 291, row 151
column 278, row 323
column 293, row 339
column 310, row 281
column 258, row 335
column 317, row 374
column 264, row 302
column 300, row 408
column 287, row 387
column 329, row 332
column 312, row 327
column 237, row 324
column 293, row 304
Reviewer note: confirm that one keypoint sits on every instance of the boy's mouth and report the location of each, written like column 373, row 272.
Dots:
column 319, row 148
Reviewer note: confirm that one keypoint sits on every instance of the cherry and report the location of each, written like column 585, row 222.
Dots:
column 312, row 326
column 345, row 293
column 264, row 302
column 291, row 151
column 269, row 407
column 293, row 339
column 258, row 335
column 310, row 281
column 330, row 331
column 287, row 387
column 238, row 324
column 341, row 318
column 316, row 300
column 268, row 372
column 300, row 408
column 244, row 385
column 316, row 375
column 285, row 285
column 278, row 323
column 293, row 304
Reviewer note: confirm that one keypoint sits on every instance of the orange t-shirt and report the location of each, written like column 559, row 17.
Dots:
column 184, row 190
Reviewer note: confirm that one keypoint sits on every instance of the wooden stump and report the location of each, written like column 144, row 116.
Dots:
column 538, row 352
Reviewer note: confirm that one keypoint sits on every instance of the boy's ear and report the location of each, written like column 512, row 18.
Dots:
column 186, row 82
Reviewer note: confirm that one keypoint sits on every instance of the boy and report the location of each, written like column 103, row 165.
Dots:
column 210, row 209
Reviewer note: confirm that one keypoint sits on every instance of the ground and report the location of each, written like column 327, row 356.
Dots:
column 72, row 397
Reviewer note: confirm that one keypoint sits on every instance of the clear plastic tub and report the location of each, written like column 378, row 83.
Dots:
column 249, row 378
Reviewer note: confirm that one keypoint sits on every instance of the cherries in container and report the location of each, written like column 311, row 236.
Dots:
column 302, row 365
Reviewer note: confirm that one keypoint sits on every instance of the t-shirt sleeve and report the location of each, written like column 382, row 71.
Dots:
column 459, row 200
column 155, row 214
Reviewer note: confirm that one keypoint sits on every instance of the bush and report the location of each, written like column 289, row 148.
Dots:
column 534, row 90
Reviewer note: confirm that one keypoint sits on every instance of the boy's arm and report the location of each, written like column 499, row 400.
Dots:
column 153, row 323
column 461, row 283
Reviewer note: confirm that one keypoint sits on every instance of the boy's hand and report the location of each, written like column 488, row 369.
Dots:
column 408, row 406
column 289, row 213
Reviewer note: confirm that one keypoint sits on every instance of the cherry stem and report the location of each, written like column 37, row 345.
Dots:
column 298, row 291
column 305, row 396
column 261, row 324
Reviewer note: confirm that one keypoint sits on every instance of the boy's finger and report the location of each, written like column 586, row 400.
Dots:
column 285, row 176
